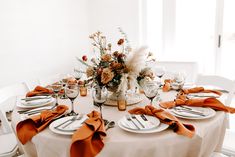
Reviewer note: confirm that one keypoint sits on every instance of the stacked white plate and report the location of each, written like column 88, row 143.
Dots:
column 187, row 112
column 66, row 125
column 34, row 102
column 141, row 124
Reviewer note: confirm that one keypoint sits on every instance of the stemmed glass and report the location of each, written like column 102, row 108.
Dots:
column 64, row 80
column 160, row 71
column 72, row 91
column 150, row 91
column 100, row 95
column 77, row 74
column 179, row 79
column 56, row 87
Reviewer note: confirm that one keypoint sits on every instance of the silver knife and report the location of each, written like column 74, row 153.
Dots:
column 71, row 119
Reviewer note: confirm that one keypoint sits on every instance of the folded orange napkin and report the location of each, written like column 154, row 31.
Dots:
column 39, row 90
column 167, row 118
column 208, row 102
column 28, row 128
column 167, row 85
column 87, row 141
column 200, row 90
column 182, row 99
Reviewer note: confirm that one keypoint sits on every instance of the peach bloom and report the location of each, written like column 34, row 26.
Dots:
column 107, row 75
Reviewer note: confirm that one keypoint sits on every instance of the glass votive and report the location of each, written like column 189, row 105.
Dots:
column 83, row 91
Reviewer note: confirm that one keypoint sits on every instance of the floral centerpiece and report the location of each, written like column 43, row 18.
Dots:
column 115, row 69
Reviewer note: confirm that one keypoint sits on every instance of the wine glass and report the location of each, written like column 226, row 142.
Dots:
column 160, row 71
column 100, row 95
column 179, row 79
column 77, row 74
column 72, row 91
column 150, row 91
column 56, row 87
column 64, row 80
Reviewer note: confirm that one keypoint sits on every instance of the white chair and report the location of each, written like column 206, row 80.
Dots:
column 8, row 141
column 8, row 95
column 216, row 154
column 49, row 80
column 31, row 84
column 229, row 86
column 218, row 82
column 189, row 68
column 229, row 143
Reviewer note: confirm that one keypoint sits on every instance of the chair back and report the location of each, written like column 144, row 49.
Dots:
column 189, row 68
column 5, row 126
column 31, row 84
column 220, row 82
column 49, row 80
column 8, row 95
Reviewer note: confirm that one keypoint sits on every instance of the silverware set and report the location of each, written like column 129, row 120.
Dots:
column 35, row 98
column 134, row 120
column 202, row 96
column 65, row 124
column 62, row 126
column 188, row 110
column 35, row 111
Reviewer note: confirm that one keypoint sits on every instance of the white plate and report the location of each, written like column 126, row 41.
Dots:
column 128, row 126
column 208, row 112
column 35, row 104
column 39, row 108
column 70, row 129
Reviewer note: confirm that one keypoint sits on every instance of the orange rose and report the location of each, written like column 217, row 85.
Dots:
column 106, row 57
column 115, row 65
column 89, row 71
column 107, row 75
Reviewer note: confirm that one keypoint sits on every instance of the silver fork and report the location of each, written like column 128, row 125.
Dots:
column 66, row 122
column 73, row 120
column 129, row 119
column 134, row 117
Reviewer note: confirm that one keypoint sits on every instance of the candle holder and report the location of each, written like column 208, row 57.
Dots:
column 83, row 91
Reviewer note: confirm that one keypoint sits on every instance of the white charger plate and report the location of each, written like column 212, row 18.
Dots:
column 124, row 124
column 20, row 103
column 208, row 112
column 69, row 130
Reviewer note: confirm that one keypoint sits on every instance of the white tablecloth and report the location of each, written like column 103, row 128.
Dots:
column 119, row 143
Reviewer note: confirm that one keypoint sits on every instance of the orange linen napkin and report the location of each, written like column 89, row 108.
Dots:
column 28, row 128
column 200, row 90
column 87, row 141
column 167, row 85
column 39, row 90
column 208, row 102
column 167, row 118
column 182, row 99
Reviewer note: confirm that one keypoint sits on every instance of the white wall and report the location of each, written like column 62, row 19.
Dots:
column 40, row 37
column 107, row 15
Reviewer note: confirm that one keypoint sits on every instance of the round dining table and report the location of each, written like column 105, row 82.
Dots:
column 208, row 137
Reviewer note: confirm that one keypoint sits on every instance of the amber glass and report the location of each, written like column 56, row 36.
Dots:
column 83, row 91
column 121, row 105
